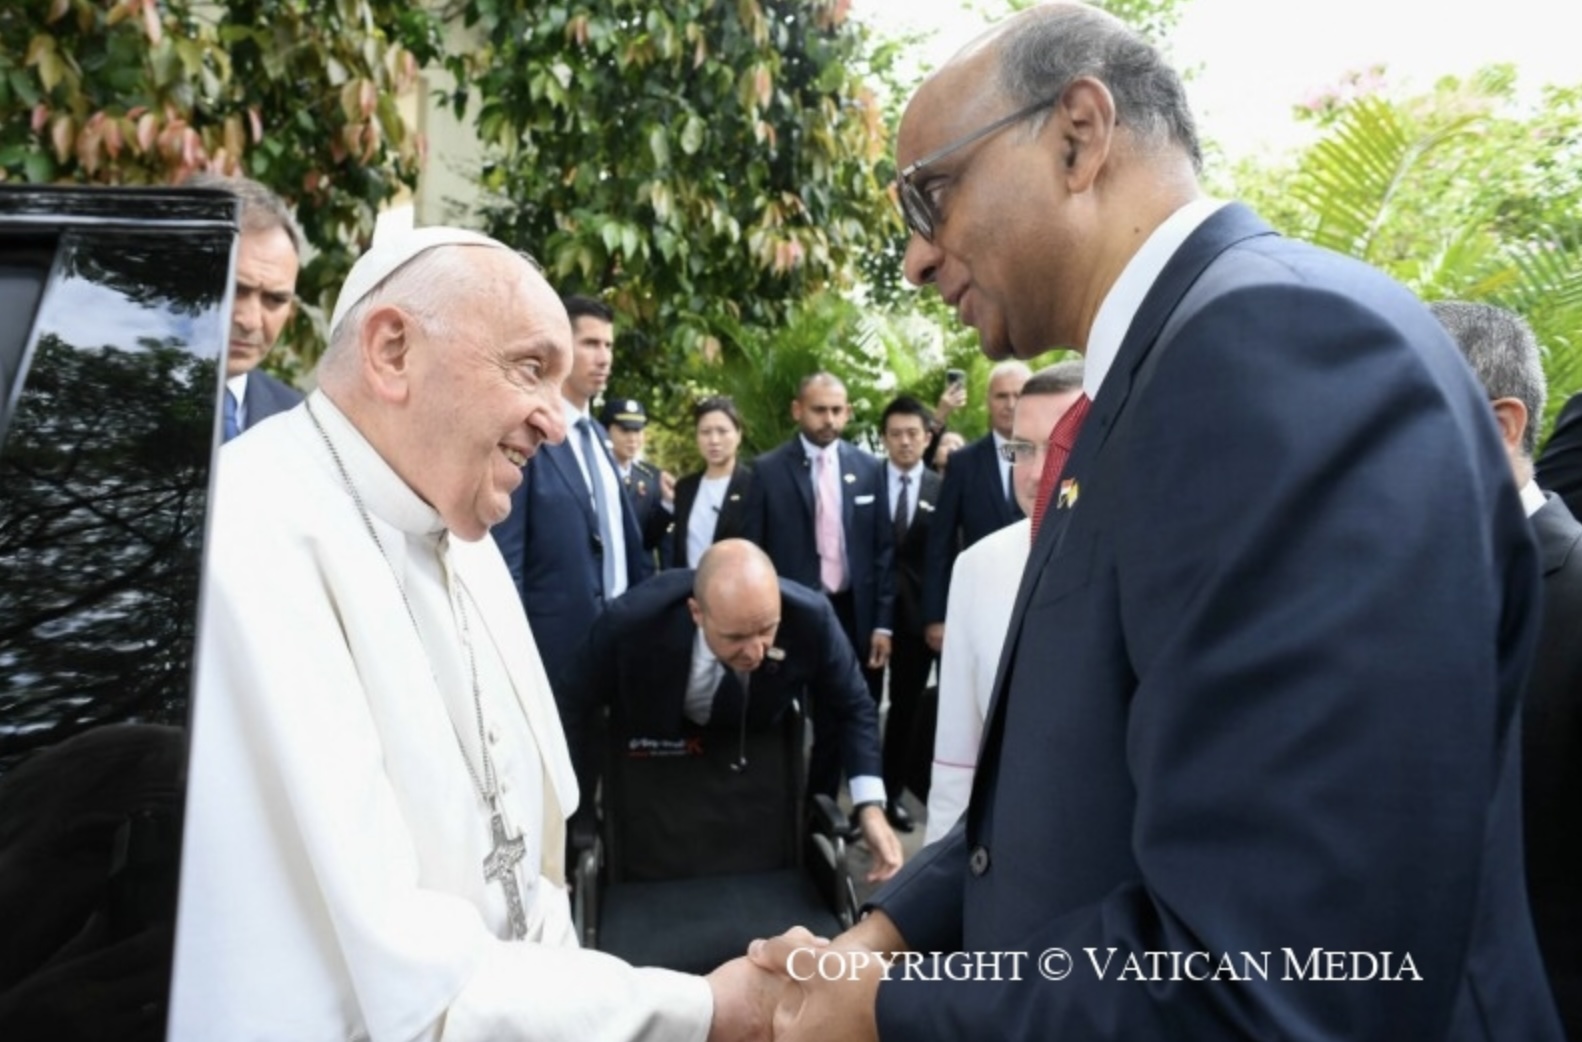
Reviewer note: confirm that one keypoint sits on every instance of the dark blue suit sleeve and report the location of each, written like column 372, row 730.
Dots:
column 924, row 899
column 840, row 696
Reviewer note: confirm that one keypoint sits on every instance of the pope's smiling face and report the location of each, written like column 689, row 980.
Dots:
column 487, row 391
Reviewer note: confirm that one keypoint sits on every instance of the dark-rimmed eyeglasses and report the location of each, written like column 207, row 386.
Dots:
column 916, row 207
column 1019, row 450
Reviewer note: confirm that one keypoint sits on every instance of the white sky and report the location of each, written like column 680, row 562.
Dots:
column 1258, row 58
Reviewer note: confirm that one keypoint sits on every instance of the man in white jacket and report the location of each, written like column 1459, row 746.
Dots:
column 379, row 780
column 982, row 593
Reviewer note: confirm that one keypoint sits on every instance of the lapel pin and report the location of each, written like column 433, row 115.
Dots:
column 1069, row 490
column 851, row 479
column 775, row 654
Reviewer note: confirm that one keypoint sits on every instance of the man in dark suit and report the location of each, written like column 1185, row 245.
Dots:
column 268, row 257
column 912, row 492
column 572, row 545
column 726, row 648
column 1261, row 686
column 1560, row 465
column 976, row 497
column 653, row 491
column 1503, row 353
column 817, row 507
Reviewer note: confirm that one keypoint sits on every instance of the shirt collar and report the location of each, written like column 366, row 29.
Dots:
column 1120, row 304
column 1533, row 498
column 832, row 450
column 381, row 489
column 896, row 472
column 572, row 414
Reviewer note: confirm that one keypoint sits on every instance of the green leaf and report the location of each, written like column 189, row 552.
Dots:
column 38, row 168
column 692, row 135
column 659, row 146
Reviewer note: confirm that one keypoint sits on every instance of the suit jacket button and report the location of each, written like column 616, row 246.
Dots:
column 978, row 863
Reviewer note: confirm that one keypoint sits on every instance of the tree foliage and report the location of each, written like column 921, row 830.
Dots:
column 705, row 165
column 298, row 94
column 1462, row 192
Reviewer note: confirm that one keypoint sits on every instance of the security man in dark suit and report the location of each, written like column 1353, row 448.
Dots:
column 817, row 507
column 975, row 499
column 912, row 492
column 268, row 257
column 727, row 648
column 571, row 541
column 1503, row 352
column 652, row 490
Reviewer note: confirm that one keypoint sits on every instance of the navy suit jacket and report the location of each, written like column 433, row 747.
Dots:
column 730, row 523
column 780, row 519
column 265, row 396
column 1260, row 689
column 972, row 504
column 911, row 555
column 1552, row 762
column 552, row 547
column 1559, row 467
column 640, row 652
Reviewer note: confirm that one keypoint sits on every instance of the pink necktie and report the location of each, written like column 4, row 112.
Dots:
column 826, row 524
column 1060, row 441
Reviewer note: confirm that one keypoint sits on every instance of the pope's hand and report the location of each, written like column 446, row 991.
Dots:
column 745, row 998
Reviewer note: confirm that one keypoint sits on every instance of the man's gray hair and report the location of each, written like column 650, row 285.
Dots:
column 262, row 209
column 1009, row 367
column 1060, row 378
column 1504, row 355
column 1048, row 49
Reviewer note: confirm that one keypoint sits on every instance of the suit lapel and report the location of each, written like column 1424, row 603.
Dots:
column 735, row 502
column 1229, row 225
column 562, row 462
column 800, row 470
column 993, row 482
column 848, row 490
column 927, row 496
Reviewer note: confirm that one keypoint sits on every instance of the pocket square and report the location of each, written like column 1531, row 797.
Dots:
column 926, row 506
column 862, row 501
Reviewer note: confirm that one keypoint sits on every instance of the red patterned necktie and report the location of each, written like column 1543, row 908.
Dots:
column 1060, row 441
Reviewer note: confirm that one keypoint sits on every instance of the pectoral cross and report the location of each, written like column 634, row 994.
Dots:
column 500, row 866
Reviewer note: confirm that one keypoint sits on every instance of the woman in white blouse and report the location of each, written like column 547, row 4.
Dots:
column 710, row 504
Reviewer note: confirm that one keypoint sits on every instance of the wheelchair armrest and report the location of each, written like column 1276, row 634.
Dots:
column 585, row 890
column 827, row 818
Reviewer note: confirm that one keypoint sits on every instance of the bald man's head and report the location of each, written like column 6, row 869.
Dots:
column 735, row 602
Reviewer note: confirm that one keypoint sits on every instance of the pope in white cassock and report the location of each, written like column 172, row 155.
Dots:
column 379, row 780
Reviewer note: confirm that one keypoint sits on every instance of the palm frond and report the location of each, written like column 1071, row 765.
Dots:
column 1349, row 179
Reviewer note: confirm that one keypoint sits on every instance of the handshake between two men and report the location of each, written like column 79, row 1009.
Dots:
column 798, row 986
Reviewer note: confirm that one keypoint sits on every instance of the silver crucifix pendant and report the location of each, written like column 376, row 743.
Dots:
column 500, row 866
